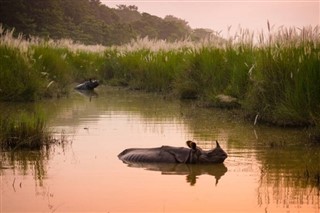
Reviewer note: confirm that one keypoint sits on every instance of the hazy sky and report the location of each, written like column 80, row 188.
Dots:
column 218, row 15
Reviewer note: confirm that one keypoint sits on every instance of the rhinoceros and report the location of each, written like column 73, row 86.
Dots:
column 87, row 85
column 169, row 154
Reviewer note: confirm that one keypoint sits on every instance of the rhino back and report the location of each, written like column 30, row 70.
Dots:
column 140, row 155
column 164, row 154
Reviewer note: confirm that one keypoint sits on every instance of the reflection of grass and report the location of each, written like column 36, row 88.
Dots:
column 24, row 131
column 291, row 166
column 307, row 172
column 312, row 174
column 25, row 161
column 282, row 181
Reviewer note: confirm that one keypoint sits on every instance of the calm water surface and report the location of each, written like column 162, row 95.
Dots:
column 265, row 172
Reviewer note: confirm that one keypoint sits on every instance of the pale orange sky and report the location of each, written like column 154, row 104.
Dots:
column 218, row 15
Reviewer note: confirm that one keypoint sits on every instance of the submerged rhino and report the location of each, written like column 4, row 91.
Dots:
column 169, row 154
column 88, row 85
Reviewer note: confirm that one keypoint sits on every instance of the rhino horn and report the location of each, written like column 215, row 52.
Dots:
column 218, row 145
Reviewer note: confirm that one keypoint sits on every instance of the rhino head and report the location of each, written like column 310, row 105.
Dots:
column 216, row 155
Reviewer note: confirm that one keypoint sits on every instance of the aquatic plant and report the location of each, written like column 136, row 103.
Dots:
column 24, row 131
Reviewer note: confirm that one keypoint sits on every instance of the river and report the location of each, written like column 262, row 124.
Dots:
column 269, row 169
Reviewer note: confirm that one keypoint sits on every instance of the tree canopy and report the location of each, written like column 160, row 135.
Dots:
column 88, row 21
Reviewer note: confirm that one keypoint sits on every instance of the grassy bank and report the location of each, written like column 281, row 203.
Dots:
column 275, row 77
column 33, row 69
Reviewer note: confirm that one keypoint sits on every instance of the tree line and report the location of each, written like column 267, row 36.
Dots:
column 91, row 22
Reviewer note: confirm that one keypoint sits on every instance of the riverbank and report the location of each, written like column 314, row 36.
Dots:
column 275, row 80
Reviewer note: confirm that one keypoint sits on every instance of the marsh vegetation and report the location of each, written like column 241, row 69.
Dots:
column 25, row 130
column 274, row 76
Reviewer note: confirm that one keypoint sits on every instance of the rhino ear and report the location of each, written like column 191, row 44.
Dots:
column 192, row 145
column 218, row 145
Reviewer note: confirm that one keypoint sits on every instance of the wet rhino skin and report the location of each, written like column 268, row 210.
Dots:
column 169, row 154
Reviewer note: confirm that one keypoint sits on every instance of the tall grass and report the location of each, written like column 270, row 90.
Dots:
column 36, row 68
column 144, row 69
column 274, row 75
column 285, row 85
column 18, row 80
column 23, row 131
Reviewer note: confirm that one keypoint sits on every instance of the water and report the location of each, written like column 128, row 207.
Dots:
column 266, row 170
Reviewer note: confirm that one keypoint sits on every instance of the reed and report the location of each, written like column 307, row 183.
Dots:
column 36, row 68
column 285, row 82
column 24, row 132
column 52, row 64
column 18, row 81
column 274, row 74
column 86, row 65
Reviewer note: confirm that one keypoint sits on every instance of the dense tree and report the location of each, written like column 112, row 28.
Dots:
column 88, row 21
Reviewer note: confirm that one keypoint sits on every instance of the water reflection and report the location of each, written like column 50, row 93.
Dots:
column 88, row 93
column 192, row 171
column 283, row 190
column 29, row 162
column 289, row 175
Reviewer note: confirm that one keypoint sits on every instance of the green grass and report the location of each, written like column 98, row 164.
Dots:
column 276, row 77
column 18, row 81
column 53, row 66
column 285, row 85
column 86, row 65
column 24, row 132
column 33, row 69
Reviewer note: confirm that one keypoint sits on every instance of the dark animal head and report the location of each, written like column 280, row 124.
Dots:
column 91, row 84
column 197, row 155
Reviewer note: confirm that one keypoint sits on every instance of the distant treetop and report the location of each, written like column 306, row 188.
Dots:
column 90, row 22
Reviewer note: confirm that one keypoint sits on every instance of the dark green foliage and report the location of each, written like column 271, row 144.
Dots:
column 87, row 21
